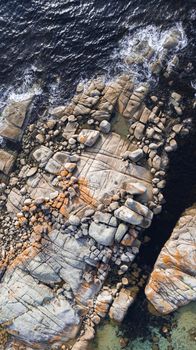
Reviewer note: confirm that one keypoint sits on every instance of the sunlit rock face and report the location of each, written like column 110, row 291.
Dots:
column 173, row 280
column 76, row 207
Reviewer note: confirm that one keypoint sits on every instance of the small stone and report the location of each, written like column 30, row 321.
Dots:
column 177, row 128
column 70, row 167
column 124, row 268
column 173, row 144
column 154, row 98
column 40, row 138
column 178, row 110
column 105, row 126
column 125, row 281
column 80, row 88
column 51, row 123
column 177, row 97
column 139, row 131
column 89, row 212
column 28, row 201
column 121, row 231
column 72, row 141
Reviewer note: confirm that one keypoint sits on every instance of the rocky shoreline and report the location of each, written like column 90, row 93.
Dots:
column 75, row 202
column 173, row 281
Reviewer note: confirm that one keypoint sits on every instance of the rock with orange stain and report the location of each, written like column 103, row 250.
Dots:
column 27, row 296
column 102, row 171
column 88, row 137
column 173, row 280
column 120, row 305
column 103, row 303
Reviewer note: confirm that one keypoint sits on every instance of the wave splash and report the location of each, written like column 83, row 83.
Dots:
column 145, row 51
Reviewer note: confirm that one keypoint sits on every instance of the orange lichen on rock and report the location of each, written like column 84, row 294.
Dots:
column 85, row 193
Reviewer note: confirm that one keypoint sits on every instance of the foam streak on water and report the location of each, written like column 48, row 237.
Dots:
column 72, row 40
column 144, row 46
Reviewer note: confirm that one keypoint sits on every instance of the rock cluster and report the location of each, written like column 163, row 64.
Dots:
column 74, row 209
column 173, row 280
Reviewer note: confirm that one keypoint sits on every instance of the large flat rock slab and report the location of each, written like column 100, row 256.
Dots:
column 102, row 170
column 173, row 280
column 27, row 299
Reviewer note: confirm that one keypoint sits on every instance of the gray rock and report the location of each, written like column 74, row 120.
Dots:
column 105, row 126
column 177, row 128
column 74, row 220
column 139, row 131
column 121, row 305
column 128, row 215
column 102, row 217
column 121, row 231
column 135, row 188
column 42, row 155
column 88, row 137
column 139, row 208
column 81, row 110
column 7, row 160
column 102, row 233
column 136, row 155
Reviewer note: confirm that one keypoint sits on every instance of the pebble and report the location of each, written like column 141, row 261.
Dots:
column 72, row 141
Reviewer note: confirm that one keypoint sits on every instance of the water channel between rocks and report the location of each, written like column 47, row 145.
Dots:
column 143, row 329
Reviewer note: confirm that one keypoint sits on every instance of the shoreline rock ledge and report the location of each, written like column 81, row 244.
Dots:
column 173, row 281
column 73, row 212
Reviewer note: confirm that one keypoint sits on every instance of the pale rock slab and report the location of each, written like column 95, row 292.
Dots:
column 102, row 171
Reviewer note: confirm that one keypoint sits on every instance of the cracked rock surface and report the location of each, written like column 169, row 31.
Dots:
column 173, row 280
column 74, row 209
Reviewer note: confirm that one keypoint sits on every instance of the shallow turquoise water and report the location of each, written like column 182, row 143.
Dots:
column 182, row 334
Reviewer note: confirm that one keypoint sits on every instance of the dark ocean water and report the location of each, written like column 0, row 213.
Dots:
column 60, row 42
column 57, row 43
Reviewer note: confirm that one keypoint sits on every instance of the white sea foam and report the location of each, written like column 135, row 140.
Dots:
column 144, row 46
column 22, row 92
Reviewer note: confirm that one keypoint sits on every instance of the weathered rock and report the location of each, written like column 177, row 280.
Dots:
column 139, row 131
column 42, row 155
column 120, row 305
column 15, row 201
column 88, row 137
column 7, row 160
column 128, row 215
column 172, row 39
column 105, row 126
column 58, row 111
column 77, row 226
column 103, row 303
column 103, row 234
column 136, row 155
column 173, row 280
column 32, row 300
column 139, row 208
column 102, row 170
column 13, row 118
column 81, row 110
column 121, row 231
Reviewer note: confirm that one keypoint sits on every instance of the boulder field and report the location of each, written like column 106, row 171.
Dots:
column 74, row 204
